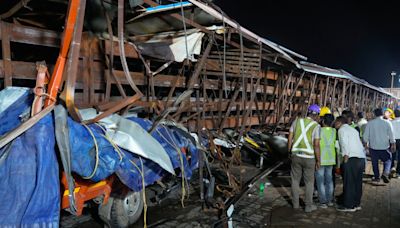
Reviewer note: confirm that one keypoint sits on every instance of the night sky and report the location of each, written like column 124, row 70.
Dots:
column 360, row 37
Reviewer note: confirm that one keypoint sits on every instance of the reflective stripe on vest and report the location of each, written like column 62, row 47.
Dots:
column 327, row 143
column 303, row 137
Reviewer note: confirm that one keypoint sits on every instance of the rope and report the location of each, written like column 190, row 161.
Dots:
column 97, row 153
column 37, row 96
column 181, row 163
column 184, row 28
column 141, row 171
column 111, row 141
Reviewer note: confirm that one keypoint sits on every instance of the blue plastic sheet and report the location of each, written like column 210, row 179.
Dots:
column 130, row 169
column 10, row 117
column 29, row 178
column 29, row 173
column 172, row 141
column 125, row 164
column 83, row 152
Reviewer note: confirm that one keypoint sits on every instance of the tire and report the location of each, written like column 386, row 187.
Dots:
column 126, row 210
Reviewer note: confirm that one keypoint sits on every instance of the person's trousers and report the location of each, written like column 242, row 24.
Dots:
column 324, row 181
column 386, row 158
column 352, row 183
column 302, row 167
column 396, row 157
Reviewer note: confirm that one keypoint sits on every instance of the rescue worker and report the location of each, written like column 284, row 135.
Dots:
column 324, row 110
column 379, row 138
column 388, row 114
column 328, row 159
column 304, row 149
column 395, row 171
column 349, row 116
column 353, row 165
column 361, row 122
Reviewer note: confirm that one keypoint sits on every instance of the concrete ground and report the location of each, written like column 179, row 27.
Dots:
column 380, row 208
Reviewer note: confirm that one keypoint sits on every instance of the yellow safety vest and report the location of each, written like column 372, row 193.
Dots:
column 327, row 144
column 303, row 143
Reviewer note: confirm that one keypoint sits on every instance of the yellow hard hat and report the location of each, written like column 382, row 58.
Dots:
column 390, row 111
column 325, row 110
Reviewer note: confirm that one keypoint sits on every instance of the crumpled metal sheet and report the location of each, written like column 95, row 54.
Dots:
column 132, row 137
column 173, row 49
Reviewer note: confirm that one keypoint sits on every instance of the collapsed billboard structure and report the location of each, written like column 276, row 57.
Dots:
column 186, row 66
column 239, row 78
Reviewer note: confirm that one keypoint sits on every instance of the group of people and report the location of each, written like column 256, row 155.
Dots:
column 321, row 145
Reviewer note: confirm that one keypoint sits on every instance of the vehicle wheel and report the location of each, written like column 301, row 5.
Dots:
column 126, row 210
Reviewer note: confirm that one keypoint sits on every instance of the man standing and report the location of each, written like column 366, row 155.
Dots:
column 304, row 148
column 378, row 137
column 396, row 155
column 349, row 116
column 353, row 165
column 328, row 159
column 362, row 122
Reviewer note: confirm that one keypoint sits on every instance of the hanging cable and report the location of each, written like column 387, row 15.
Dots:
column 111, row 141
column 141, row 172
column 184, row 180
column 184, row 29
column 224, row 59
column 97, row 153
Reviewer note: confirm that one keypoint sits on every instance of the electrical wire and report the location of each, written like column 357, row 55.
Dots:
column 224, row 59
column 181, row 163
column 38, row 96
column 184, row 29
column 111, row 141
column 141, row 171
column 97, row 153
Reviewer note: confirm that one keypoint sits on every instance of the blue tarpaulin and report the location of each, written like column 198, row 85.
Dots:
column 29, row 174
column 14, row 102
column 121, row 162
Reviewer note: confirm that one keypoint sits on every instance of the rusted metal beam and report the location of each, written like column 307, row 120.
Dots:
column 31, row 35
column 7, row 138
column 288, row 103
column 72, row 64
column 120, row 105
column 6, row 52
column 198, row 26
column 122, row 47
column 195, row 76
column 199, row 65
column 343, row 105
column 57, row 75
column 333, row 97
column 284, row 89
column 39, row 89
column 19, row 5
column 228, row 110
column 327, row 86
column 129, row 50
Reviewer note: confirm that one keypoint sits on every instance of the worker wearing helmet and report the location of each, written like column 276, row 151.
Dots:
column 388, row 114
column 304, row 150
column 324, row 110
